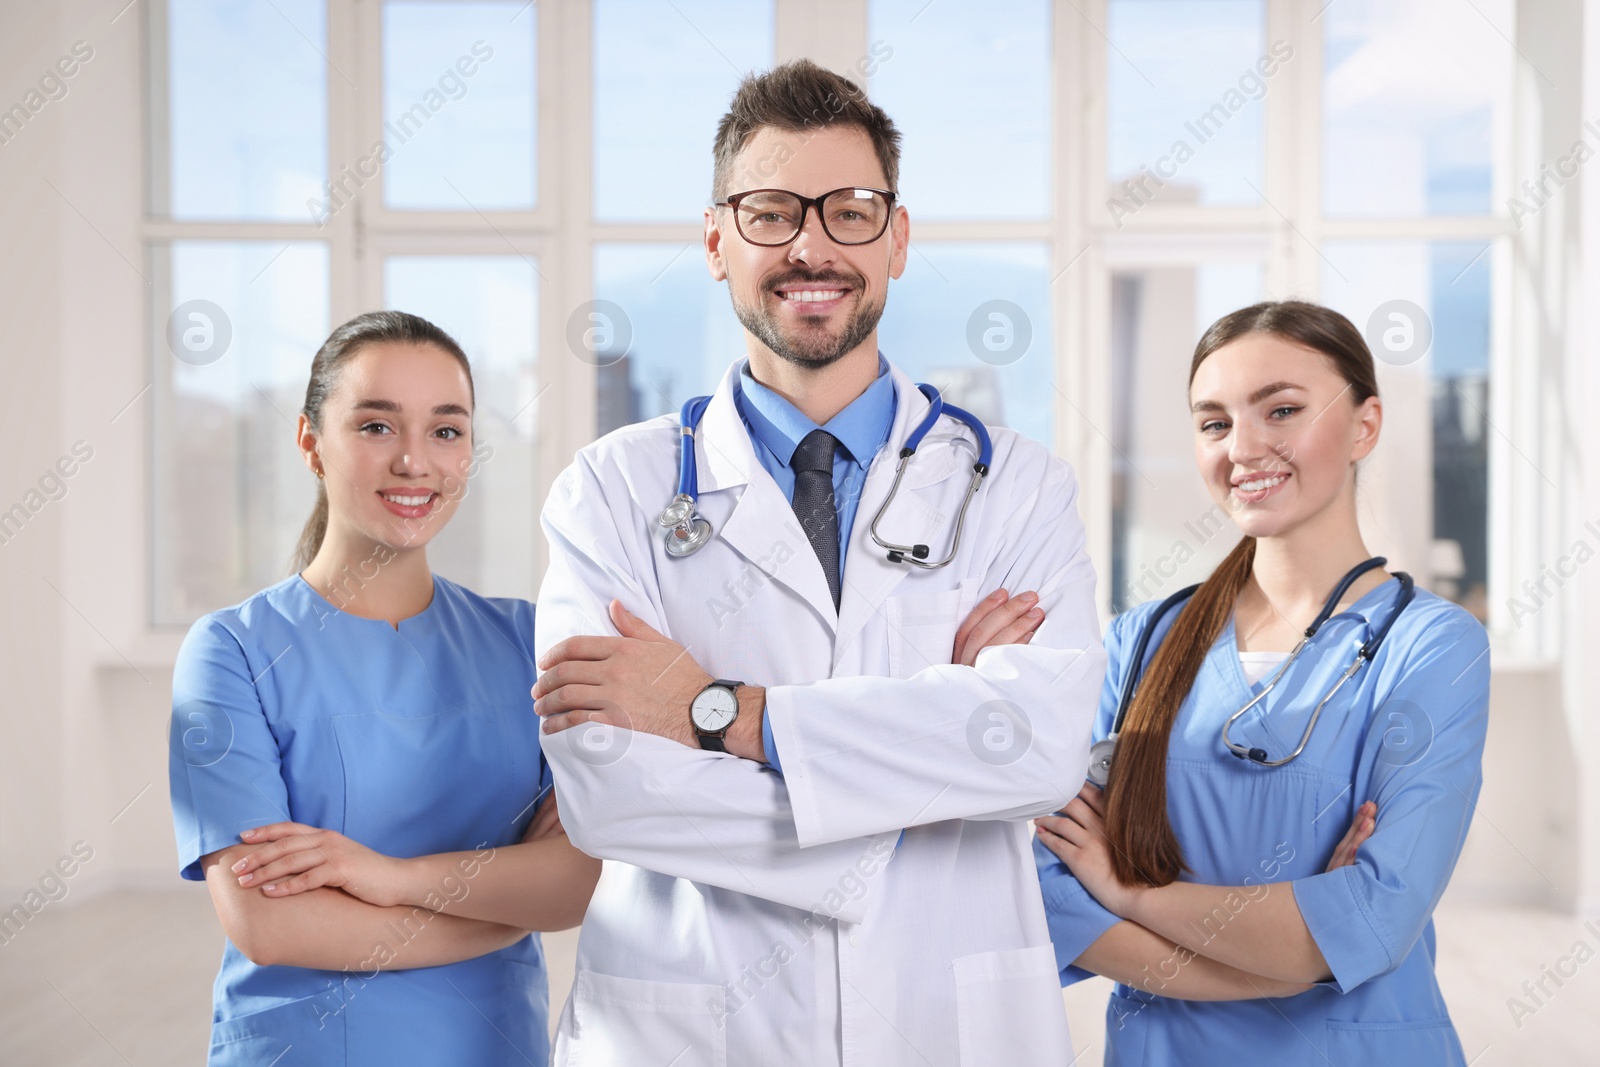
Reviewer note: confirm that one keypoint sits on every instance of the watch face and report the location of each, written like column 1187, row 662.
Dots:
column 714, row 709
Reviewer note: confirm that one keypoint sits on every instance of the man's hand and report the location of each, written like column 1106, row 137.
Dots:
column 639, row 681
column 997, row 621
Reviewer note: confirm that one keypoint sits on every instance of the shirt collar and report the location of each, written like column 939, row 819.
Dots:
column 862, row 427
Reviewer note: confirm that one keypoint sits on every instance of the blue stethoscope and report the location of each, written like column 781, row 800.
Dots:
column 687, row 531
column 1101, row 754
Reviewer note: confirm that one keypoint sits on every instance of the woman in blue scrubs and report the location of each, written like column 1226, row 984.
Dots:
column 355, row 767
column 1207, row 884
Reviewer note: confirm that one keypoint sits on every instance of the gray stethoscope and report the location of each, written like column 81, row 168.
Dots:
column 1101, row 754
column 687, row 531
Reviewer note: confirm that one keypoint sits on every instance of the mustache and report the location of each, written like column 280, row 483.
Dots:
column 826, row 277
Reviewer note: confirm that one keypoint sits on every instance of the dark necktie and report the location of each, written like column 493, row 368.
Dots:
column 814, row 504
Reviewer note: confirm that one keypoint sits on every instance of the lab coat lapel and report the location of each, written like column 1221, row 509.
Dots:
column 913, row 518
column 762, row 527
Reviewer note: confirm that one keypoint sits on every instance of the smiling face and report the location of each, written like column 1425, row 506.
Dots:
column 1278, row 433
column 812, row 301
column 395, row 445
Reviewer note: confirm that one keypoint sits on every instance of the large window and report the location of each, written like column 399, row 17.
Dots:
column 231, row 358
column 1090, row 184
column 1168, row 531
column 1209, row 166
column 262, row 240
column 970, row 89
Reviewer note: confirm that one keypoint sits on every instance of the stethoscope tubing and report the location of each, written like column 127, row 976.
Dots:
column 680, row 516
column 1369, row 649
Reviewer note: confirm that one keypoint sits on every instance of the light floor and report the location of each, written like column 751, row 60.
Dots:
column 126, row 980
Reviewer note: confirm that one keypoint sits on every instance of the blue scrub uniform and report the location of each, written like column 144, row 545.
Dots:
column 411, row 741
column 1410, row 737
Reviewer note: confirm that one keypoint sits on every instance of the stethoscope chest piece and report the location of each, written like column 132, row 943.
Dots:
column 686, row 532
column 1100, row 761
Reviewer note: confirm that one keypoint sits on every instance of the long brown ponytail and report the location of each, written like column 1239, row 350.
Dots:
column 1144, row 849
column 342, row 345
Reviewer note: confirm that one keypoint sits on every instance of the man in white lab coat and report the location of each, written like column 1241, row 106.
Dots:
column 812, row 803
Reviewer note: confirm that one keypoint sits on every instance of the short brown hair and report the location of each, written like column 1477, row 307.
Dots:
column 800, row 96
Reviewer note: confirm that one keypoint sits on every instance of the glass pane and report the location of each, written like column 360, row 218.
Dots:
column 1166, row 532
column 663, row 76
column 1185, row 84
column 969, row 86
column 231, row 356
column 1425, row 309
column 458, row 106
column 662, row 329
column 974, row 320
column 1425, row 88
column 490, row 305
column 247, row 109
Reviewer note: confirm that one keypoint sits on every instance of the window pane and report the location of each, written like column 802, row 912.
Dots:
column 974, row 320
column 231, row 492
column 664, row 331
column 1166, row 532
column 247, row 109
column 490, row 305
column 969, row 87
column 458, row 106
column 663, row 76
column 1434, row 373
column 1185, row 83
column 1416, row 99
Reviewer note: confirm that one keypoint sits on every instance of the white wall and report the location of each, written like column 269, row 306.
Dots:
column 86, row 688
column 1582, row 680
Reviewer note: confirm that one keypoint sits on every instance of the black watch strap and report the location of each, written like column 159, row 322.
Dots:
column 712, row 742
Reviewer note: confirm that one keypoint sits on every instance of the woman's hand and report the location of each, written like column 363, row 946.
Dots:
column 997, row 620
column 1077, row 835
column 293, row 858
column 1361, row 827
column 546, row 821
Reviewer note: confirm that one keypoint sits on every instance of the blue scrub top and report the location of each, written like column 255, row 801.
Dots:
column 1410, row 737
column 411, row 741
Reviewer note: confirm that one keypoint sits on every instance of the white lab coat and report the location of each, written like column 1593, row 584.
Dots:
column 745, row 918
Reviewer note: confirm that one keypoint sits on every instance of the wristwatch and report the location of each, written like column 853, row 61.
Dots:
column 713, row 711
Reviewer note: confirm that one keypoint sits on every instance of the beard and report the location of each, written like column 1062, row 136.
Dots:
column 803, row 346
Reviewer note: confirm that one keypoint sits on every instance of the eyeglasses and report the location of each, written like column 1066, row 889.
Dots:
column 774, row 217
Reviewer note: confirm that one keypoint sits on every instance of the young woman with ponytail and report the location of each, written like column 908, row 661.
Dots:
column 1277, row 915
column 355, row 768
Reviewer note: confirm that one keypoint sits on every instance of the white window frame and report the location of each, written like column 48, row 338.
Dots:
column 1085, row 248
column 1290, row 224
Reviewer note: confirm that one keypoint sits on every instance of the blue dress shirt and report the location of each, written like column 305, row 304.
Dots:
column 777, row 427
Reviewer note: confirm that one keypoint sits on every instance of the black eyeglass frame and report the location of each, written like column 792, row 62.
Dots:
column 806, row 204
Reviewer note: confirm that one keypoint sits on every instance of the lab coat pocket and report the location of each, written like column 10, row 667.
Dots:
column 624, row 1022
column 1009, row 1008
column 922, row 626
column 1429, row 1043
